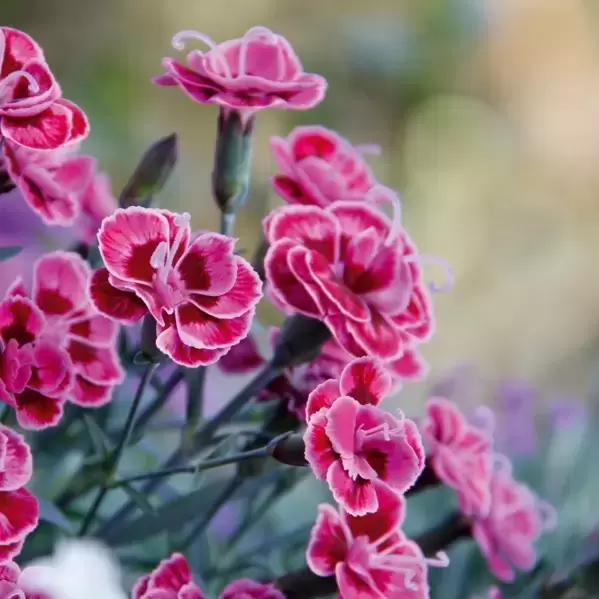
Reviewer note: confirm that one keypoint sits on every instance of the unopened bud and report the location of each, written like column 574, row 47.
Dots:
column 148, row 352
column 232, row 160
column 299, row 341
column 151, row 173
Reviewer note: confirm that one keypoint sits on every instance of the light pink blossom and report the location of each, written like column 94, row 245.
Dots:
column 12, row 585
column 201, row 294
column 50, row 182
column 461, row 454
column 516, row 520
column 259, row 70
column 35, row 373
column 353, row 268
column 352, row 444
column 18, row 506
column 32, row 112
column 319, row 167
column 369, row 555
column 73, row 325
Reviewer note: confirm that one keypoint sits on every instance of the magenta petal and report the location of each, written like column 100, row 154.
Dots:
column 128, row 239
column 18, row 515
column 48, row 130
column 90, row 395
column 355, row 496
column 243, row 295
column 288, row 288
column 169, row 342
column 122, row 306
column 366, row 381
column 60, row 283
column 319, row 451
column 95, row 329
column 379, row 338
column 17, row 462
column 388, row 518
column 328, row 542
column 100, row 365
column 323, row 396
column 341, row 425
column 208, row 267
column 198, row 329
column 309, row 226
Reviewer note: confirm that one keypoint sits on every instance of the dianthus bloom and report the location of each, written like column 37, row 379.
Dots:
column 369, row 555
column 353, row 445
column 461, row 454
column 34, row 373
column 259, row 70
column 172, row 579
column 245, row 588
column 96, row 202
column 353, row 268
column 72, row 325
column 202, row 296
column 319, row 167
column 50, row 182
column 18, row 507
column 516, row 520
column 32, row 112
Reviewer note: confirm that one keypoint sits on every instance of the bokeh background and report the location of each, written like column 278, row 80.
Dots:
column 487, row 112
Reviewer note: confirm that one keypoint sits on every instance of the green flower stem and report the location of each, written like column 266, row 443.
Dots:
column 203, row 437
column 161, row 400
column 201, row 526
column 195, row 400
column 118, row 452
column 227, row 223
column 208, row 464
column 304, row 584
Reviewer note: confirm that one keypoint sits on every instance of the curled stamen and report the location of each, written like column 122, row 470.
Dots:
column 372, row 149
column 434, row 287
column 33, row 85
column 178, row 43
column 380, row 194
column 158, row 257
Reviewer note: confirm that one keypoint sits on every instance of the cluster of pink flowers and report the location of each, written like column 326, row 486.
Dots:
column 369, row 459
column 334, row 255
column 40, row 135
column 507, row 517
column 54, row 346
column 172, row 579
column 18, row 506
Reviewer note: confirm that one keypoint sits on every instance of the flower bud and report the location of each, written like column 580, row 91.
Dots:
column 151, row 173
column 299, row 341
column 148, row 352
column 232, row 161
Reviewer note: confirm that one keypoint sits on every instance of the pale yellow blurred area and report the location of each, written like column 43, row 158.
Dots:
column 498, row 165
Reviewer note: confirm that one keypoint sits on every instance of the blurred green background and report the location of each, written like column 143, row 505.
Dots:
column 487, row 112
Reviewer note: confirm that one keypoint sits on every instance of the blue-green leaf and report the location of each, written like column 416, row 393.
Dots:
column 52, row 515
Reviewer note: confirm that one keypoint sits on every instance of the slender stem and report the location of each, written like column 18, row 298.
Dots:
column 195, row 397
column 203, row 437
column 227, row 223
column 206, row 464
column 161, row 400
column 118, row 452
column 201, row 526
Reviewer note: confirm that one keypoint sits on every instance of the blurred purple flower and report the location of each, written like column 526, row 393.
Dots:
column 566, row 412
column 515, row 432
